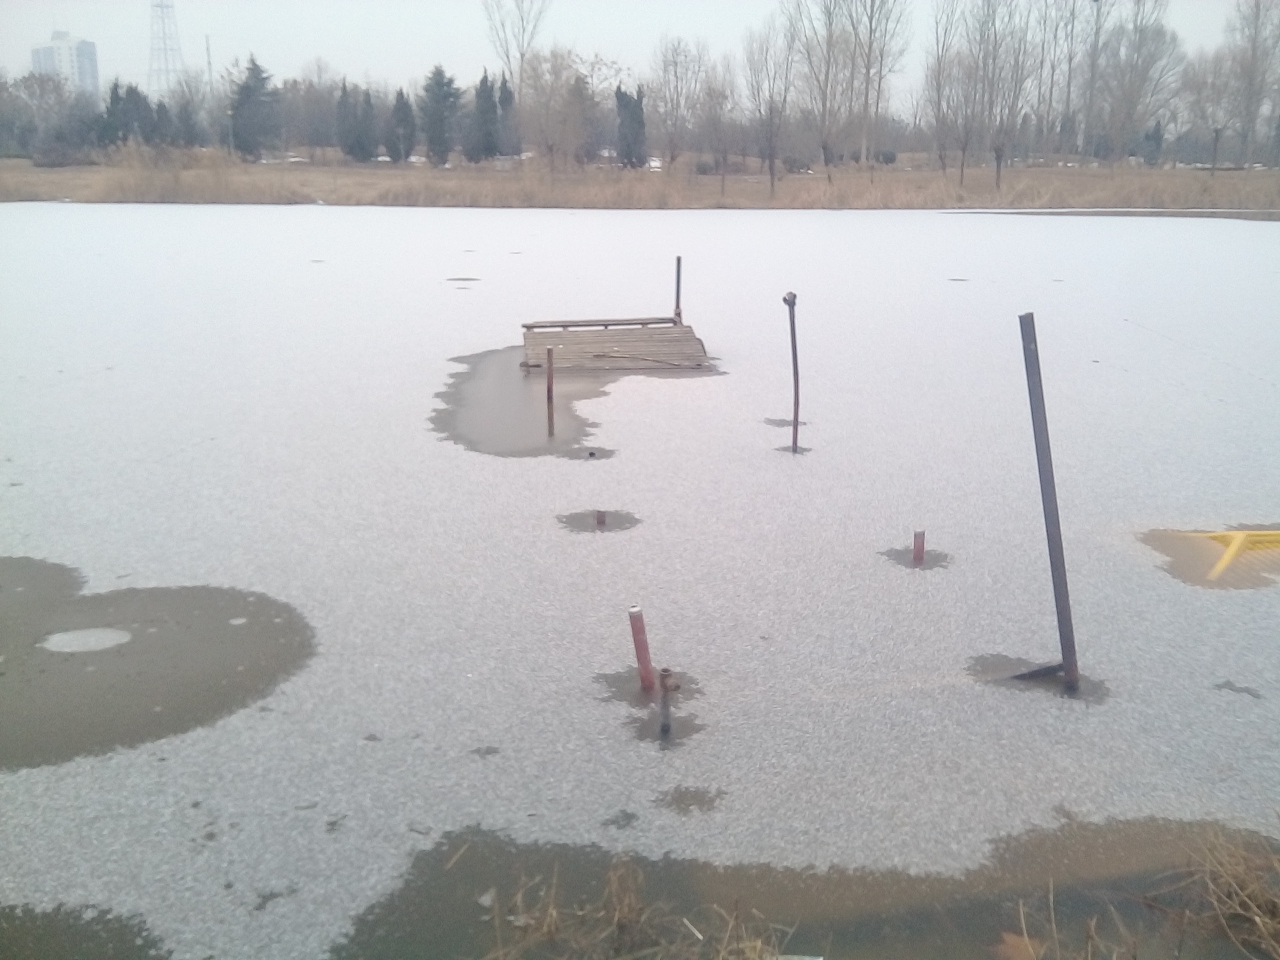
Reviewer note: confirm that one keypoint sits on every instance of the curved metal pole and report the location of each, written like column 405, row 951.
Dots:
column 790, row 301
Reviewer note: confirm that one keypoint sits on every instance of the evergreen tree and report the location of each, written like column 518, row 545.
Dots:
column 187, row 125
column 365, row 146
column 166, row 131
column 111, row 129
column 255, row 117
column 631, row 147
column 439, row 106
column 346, row 120
column 487, row 117
column 128, row 115
column 480, row 131
column 138, row 119
column 508, row 138
column 402, row 132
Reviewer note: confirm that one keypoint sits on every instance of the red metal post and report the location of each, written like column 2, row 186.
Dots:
column 917, row 549
column 641, row 640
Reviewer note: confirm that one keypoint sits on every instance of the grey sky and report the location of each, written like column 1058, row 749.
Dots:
column 398, row 41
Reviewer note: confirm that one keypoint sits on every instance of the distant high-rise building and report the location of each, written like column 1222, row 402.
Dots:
column 76, row 61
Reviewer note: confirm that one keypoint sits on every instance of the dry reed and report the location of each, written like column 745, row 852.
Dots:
column 1241, row 880
column 139, row 175
column 1233, row 890
column 622, row 926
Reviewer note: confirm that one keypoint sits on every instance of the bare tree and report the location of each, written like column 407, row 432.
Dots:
column 1253, row 38
column 825, row 54
column 1143, row 65
column 886, row 52
column 1013, row 70
column 552, row 105
column 1066, row 121
column 513, row 29
column 678, row 69
column 717, row 110
column 769, row 54
column 1100, row 12
column 1049, row 40
column 1206, row 84
column 877, row 27
column 940, row 74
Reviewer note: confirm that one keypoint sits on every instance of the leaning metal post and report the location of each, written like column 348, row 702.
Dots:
column 1049, row 495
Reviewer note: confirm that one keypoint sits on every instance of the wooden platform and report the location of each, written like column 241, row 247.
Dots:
column 650, row 343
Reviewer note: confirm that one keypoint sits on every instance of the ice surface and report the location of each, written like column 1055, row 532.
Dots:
column 86, row 641
column 239, row 396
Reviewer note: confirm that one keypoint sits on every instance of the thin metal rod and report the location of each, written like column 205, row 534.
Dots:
column 917, row 549
column 790, row 301
column 678, row 313
column 1049, row 495
column 551, row 392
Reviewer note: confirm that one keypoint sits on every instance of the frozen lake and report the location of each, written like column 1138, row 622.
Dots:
column 239, row 399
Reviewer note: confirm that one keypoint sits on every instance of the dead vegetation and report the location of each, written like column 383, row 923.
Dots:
column 533, row 925
column 1233, row 890
column 1242, row 884
column 143, row 175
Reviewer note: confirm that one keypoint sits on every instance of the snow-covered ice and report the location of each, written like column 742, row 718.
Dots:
column 239, row 397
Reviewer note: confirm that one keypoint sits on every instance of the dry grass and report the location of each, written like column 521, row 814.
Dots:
column 622, row 926
column 144, row 176
column 1233, row 890
column 1242, row 884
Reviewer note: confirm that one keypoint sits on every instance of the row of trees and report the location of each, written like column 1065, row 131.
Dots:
column 1004, row 79
column 1104, row 78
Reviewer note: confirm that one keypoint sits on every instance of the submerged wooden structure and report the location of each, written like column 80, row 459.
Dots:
column 646, row 343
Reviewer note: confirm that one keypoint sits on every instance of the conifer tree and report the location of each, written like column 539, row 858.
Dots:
column 166, row 132
column 631, row 146
column 486, row 118
column 366, row 140
column 402, row 133
column 508, row 137
column 346, row 120
column 438, row 105
column 255, row 115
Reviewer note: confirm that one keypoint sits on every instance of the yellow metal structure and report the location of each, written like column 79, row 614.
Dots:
column 1238, row 541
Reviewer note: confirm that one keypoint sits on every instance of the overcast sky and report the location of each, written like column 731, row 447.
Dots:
column 398, row 41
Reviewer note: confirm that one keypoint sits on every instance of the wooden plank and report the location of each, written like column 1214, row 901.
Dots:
column 643, row 322
column 640, row 348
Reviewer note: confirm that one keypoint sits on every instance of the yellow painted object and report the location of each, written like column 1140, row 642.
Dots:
column 1237, row 541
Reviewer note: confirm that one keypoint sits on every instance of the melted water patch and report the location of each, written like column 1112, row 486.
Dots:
column 598, row 521
column 74, row 933
column 1101, row 874
column 686, row 800
column 998, row 671
column 1193, row 557
column 496, row 406
column 645, row 720
column 71, row 685
column 905, row 557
